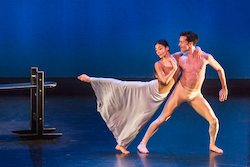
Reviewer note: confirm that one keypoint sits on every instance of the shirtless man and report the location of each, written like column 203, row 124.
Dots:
column 188, row 89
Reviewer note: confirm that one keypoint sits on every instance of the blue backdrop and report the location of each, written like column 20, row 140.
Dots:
column 113, row 38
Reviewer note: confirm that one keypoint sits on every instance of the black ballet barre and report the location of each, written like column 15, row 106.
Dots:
column 37, row 87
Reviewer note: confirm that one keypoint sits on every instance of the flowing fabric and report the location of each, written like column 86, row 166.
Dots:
column 126, row 106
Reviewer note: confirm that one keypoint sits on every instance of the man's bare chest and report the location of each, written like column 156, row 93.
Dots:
column 194, row 65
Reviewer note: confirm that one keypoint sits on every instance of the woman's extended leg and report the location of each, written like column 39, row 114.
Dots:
column 84, row 78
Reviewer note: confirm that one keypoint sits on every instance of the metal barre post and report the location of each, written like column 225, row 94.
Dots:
column 40, row 102
column 33, row 97
column 33, row 75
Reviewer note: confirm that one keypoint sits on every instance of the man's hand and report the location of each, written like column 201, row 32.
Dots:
column 198, row 52
column 223, row 94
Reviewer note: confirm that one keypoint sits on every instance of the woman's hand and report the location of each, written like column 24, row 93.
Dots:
column 173, row 63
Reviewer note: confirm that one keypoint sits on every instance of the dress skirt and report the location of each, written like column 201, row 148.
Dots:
column 126, row 106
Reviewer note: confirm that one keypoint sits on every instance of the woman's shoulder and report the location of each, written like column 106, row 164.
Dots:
column 158, row 63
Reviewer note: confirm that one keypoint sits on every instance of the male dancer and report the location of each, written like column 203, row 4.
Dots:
column 188, row 89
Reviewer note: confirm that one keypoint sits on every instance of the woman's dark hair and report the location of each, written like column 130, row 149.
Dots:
column 162, row 42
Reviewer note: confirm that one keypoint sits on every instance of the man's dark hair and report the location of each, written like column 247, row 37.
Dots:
column 191, row 36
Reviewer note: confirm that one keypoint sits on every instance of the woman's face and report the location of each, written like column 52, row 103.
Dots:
column 161, row 50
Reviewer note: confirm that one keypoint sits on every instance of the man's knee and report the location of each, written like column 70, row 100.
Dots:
column 214, row 122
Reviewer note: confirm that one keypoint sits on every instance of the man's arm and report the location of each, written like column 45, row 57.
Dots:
column 213, row 63
column 177, row 55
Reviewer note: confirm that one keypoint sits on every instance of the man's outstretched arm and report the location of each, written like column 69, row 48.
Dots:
column 213, row 63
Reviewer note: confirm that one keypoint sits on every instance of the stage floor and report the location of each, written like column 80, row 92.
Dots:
column 86, row 141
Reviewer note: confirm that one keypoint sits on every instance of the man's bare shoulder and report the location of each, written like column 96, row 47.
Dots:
column 177, row 55
column 183, row 57
column 173, row 58
column 206, row 56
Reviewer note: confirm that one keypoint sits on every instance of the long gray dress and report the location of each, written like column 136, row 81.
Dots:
column 126, row 106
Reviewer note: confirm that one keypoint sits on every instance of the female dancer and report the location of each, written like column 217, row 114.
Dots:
column 127, row 106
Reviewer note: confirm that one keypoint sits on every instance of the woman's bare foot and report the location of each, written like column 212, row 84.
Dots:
column 122, row 149
column 215, row 149
column 142, row 148
column 120, row 155
column 84, row 78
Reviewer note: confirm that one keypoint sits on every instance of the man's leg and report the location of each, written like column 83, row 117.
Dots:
column 203, row 108
column 173, row 102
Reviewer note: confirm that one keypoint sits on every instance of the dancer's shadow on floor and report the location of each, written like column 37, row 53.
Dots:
column 36, row 149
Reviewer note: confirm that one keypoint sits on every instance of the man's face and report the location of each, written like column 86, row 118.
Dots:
column 184, row 44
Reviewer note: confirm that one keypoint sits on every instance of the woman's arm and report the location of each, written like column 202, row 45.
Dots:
column 165, row 78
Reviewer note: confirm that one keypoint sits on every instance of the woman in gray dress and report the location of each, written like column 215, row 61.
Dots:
column 127, row 106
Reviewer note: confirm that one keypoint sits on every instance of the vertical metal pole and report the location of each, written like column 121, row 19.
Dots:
column 33, row 119
column 40, row 102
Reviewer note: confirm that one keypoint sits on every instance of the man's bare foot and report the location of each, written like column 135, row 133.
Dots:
column 142, row 148
column 84, row 78
column 215, row 149
column 122, row 149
